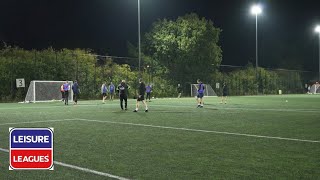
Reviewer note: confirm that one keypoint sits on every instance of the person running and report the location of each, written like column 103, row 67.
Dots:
column 66, row 88
column 142, row 91
column 111, row 91
column 179, row 90
column 123, row 94
column 104, row 91
column 76, row 92
column 148, row 90
column 62, row 93
column 200, row 93
column 224, row 94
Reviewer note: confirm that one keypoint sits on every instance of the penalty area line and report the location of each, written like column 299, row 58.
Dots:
column 81, row 168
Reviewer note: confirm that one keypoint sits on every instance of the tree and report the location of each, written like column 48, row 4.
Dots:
column 188, row 47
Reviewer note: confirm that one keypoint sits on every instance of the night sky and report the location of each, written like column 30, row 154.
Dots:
column 285, row 28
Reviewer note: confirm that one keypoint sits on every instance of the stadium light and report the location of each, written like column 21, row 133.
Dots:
column 256, row 9
column 317, row 30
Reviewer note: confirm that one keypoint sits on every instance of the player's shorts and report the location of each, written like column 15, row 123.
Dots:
column 224, row 94
column 104, row 94
column 111, row 92
column 141, row 98
column 200, row 95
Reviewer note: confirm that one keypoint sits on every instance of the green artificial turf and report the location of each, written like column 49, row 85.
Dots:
column 176, row 140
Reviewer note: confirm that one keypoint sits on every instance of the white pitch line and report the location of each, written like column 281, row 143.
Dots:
column 89, row 170
column 30, row 122
column 57, row 106
column 81, row 168
column 217, row 107
column 205, row 131
column 4, row 150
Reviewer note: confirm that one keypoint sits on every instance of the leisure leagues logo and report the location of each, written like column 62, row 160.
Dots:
column 31, row 148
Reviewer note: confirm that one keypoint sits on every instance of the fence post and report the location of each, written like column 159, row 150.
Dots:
column 12, row 95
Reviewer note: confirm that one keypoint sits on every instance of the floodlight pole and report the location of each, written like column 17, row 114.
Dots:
column 256, row 42
column 319, row 57
column 317, row 30
column 139, row 39
column 257, row 52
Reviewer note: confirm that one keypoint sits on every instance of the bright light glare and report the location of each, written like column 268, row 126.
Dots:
column 317, row 29
column 256, row 9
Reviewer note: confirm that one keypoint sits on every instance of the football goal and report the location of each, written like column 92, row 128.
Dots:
column 207, row 92
column 46, row 91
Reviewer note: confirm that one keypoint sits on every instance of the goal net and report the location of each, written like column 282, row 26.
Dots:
column 45, row 91
column 207, row 92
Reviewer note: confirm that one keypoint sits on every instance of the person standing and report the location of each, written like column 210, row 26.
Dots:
column 111, row 91
column 200, row 93
column 179, row 90
column 123, row 94
column 76, row 92
column 224, row 93
column 66, row 88
column 62, row 93
column 142, row 91
column 148, row 90
column 104, row 91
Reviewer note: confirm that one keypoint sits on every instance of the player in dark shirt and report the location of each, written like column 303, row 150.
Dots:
column 142, row 91
column 123, row 94
column 76, row 92
column 224, row 93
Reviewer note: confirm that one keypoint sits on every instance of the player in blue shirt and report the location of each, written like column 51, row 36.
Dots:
column 201, row 90
column 148, row 91
column 66, row 88
column 104, row 91
column 111, row 91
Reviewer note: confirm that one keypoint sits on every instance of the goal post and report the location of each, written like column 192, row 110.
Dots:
column 207, row 92
column 46, row 91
